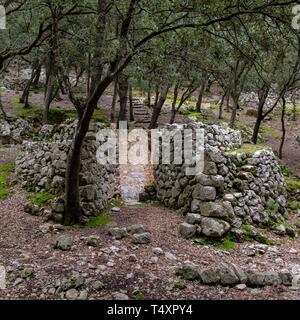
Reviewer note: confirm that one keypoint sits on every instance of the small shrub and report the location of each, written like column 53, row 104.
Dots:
column 139, row 295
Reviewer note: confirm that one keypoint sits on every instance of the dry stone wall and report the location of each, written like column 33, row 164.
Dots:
column 240, row 185
column 42, row 167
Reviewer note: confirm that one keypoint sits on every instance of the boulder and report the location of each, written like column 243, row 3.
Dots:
column 188, row 272
column 214, row 228
column 217, row 209
column 64, row 243
column 204, row 193
column 187, row 230
column 141, row 238
column 118, row 233
column 210, row 276
column 193, row 218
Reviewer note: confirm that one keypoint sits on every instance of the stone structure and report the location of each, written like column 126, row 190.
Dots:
column 240, row 185
column 14, row 131
column 42, row 167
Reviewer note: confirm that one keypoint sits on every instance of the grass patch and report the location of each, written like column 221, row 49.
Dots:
column 5, row 171
column 41, row 199
column 198, row 115
column 293, row 184
column 275, row 134
column 99, row 220
column 294, row 205
column 15, row 101
column 101, row 116
column 215, row 106
column 227, row 245
column 179, row 286
column 250, row 149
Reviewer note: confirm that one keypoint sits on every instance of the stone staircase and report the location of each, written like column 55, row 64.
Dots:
column 142, row 114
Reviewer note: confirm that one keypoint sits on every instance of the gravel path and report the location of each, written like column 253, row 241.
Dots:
column 23, row 246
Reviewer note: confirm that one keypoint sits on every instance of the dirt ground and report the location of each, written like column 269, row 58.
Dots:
column 22, row 245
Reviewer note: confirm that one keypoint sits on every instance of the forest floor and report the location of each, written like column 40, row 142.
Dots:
column 36, row 270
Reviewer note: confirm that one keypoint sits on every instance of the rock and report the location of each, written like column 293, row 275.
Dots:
column 27, row 272
column 137, row 229
column 72, row 294
column 195, row 206
column 193, row 218
column 120, row 296
column 187, row 230
column 132, row 258
column 221, row 209
column 141, row 238
column 188, row 272
column 210, row 276
column 153, row 260
column 64, row 243
column 286, row 278
column 204, row 193
column 74, row 282
column 93, row 241
column 214, row 228
column 158, row 251
column 83, row 295
column 118, row 233
column 241, row 287
column 170, row 256
column 260, row 279
column 115, row 209
column 280, row 230
column 46, row 228
column 228, row 275
column 31, row 209
column 98, row 285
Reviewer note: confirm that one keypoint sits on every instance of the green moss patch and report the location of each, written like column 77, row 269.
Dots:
column 5, row 171
column 99, row 220
column 275, row 134
column 250, row 149
column 198, row 115
column 41, row 199
column 293, row 184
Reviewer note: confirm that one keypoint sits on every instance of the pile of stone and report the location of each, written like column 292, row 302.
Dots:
column 41, row 166
column 232, row 275
column 238, row 186
column 14, row 131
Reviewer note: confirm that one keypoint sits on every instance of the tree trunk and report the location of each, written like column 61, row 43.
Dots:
column 131, row 104
column 228, row 103
column 25, row 96
column 283, row 128
column 123, row 93
column 149, row 95
column 175, row 98
column 37, row 77
column 200, row 97
column 158, row 107
column 88, row 82
column 221, row 106
column 234, row 110
column 156, row 95
column 262, row 97
column 114, row 102
column 49, row 96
